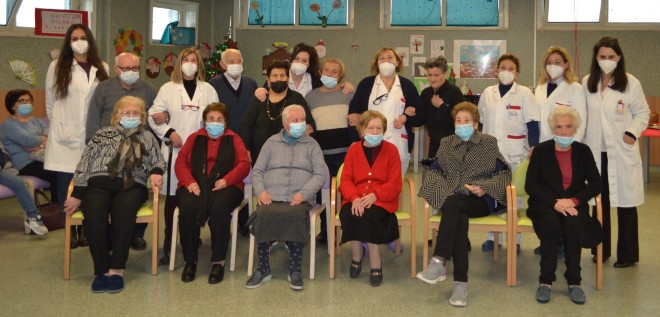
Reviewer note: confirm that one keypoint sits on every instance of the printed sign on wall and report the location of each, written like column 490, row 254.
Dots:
column 56, row 22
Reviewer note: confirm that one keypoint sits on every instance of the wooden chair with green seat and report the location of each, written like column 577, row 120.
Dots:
column 521, row 223
column 404, row 218
column 491, row 223
column 147, row 214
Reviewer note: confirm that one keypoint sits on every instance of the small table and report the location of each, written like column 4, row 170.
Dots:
column 648, row 133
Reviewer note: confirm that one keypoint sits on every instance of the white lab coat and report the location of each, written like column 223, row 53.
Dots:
column 66, row 136
column 506, row 119
column 605, row 130
column 564, row 95
column 170, row 98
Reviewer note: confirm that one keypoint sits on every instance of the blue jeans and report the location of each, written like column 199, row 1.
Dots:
column 17, row 184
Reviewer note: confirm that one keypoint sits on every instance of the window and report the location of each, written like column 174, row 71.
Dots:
column 599, row 14
column 17, row 16
column 165, row 12
column 450, row 14
column 294, row 13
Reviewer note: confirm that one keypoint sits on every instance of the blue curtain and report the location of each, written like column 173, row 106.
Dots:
column 337, row 17
column 271, row 12
column 472, row 12
column 416, row 13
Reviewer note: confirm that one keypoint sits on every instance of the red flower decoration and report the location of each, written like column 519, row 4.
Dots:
column 336, row 5
column 315, row 7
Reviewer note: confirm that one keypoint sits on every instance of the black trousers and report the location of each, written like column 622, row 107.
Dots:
column 220, row 206
column 453, row 230
column 36, row 169
column 434, row 145
column 552, row 227
column 627, row 248
column 105, row 199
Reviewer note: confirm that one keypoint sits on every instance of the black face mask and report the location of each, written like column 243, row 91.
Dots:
column 279, row 86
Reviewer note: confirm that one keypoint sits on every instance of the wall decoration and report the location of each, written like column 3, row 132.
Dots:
column 404, row 53
column 23, row 71
column 417, row 44
column 355, row 47
column 254, row 5
column 53, row 22
column 153, row 67
column 212, row 64
column 320, row 48
column 128, row 40
column 315, row 7
column 478, row 58
column 168, row 63
column 437, row 48
column 418, row 66
column 54, row 53
column 205, row 50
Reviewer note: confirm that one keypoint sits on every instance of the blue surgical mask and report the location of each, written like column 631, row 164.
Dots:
column 25, row 109
column 130, row 122
column 564, row 141
column 373, row 139
column 464, row 131
column 297, row 129
column 329, row 82
column 215, row 129
column 129, row 77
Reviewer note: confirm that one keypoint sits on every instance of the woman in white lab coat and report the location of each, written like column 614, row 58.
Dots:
column 508, row 112
column 617, row 115
column 184, row 98
column 70, row 84
column 558, row 86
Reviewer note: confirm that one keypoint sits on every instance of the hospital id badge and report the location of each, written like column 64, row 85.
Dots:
column 618, row 112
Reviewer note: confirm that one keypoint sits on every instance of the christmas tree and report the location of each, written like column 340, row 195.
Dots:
column 212, row 63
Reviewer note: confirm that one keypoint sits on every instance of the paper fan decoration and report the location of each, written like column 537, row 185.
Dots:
column 23, row 71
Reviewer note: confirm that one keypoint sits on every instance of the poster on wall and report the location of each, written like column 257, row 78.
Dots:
column 404, row 53
column 418, row 66
column 478, row 58
column 53, row 22
column 437, row 48
column 417, row 44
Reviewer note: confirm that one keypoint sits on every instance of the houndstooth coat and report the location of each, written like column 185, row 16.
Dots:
column 477, row 161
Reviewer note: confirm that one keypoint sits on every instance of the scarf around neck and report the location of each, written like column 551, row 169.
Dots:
column 128, row 156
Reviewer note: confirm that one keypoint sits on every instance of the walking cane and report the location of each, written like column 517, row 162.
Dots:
column 165, row 260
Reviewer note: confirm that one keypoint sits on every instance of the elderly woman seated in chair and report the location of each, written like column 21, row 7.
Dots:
column 562, row 177
column 110, row 183
column 210, row 168
column 370, row 185
column 467, row 179
column 286, row 177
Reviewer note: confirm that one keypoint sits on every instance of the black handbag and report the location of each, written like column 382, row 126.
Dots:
column 592, row 233
column 51, row 213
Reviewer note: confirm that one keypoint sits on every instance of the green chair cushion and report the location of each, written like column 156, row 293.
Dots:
column 145, row 211
column 523, row 220
column 488, row 220
column 402, row 215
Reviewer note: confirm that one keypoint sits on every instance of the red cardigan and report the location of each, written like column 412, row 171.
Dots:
column 235, row 175
column 383, row 178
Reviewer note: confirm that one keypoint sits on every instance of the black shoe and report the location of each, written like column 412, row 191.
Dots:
column 167, row 243
column 139, row 244
column 322, row 239
column 217, row 274
column 620, row 265
column 469, row 245
column 356, row 267
column 376, row 277
column 189, row 272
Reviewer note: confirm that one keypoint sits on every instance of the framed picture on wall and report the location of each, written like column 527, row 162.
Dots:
column 477, row 58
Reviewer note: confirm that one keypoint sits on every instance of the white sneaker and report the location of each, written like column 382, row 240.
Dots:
column 459, row 296
column 36, row 225
column 435, row 272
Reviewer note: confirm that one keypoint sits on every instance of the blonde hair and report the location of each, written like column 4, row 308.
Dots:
column 338, row 63
column 177, row 76
column 374, row 63
column 367, row 116
column 128, row 100
column 562, row 111
column 569, row 74
column 467, row 107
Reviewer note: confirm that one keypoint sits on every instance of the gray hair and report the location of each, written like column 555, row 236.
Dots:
column 564, row 111
column 230, row 50
column 285, row 112
column 125, row 54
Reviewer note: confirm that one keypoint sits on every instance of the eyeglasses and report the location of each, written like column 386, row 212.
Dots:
column 190, row 107
column 380, row 99
column 24, row 101
column 130, row 113
column 127, row 68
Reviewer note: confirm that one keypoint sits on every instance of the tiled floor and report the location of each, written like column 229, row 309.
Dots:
column 31, row 283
